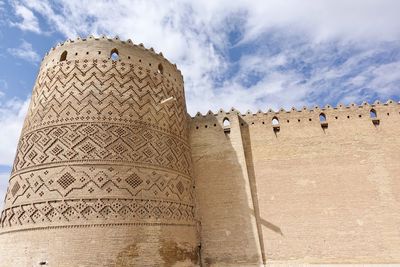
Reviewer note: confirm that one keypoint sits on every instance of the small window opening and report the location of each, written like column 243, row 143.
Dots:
column 275, row 121
column 372, row 113
column 359, row 116
column 310, row 119
column 226, row 123
column 160, row 69
column 99, row 52
column 348, row 117
column 87, row 53
column 322, row 120
column 76, row 54
column 114, row 55
column 63, row 56
column 322, row 117
column 42, row 263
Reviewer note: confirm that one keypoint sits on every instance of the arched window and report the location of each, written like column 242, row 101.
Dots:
column 226, row 122
column 63, row 56
column 322, row 117
column 114, row 55
column 275, row 121
column 372, row 114
column 160, row 69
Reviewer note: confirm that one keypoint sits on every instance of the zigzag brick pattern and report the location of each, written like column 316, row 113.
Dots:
column 97, row 146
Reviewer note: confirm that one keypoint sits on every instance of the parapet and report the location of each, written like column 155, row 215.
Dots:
column 101, row 48
column 324, row 115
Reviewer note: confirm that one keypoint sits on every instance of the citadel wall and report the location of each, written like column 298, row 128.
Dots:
column 319, row 193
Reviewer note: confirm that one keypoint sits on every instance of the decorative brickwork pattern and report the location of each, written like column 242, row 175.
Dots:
column 93, row 211
column 96, row 129
column 101, row 142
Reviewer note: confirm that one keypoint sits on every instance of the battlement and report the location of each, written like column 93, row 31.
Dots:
column 360, row 116
column 102, row 48
column 377, row 103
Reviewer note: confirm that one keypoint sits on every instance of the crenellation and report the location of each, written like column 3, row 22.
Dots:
column 127, row 47
column 305, row 110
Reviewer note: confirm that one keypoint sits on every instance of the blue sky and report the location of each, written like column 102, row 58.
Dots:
column 249, row 55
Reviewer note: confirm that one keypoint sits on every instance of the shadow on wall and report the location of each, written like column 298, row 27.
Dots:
column 226, row 193
column 253, row 186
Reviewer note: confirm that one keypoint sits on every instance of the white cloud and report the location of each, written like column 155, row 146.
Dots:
column 25, row 51
column 196, row 35
column 12, row 114
column 29, row 20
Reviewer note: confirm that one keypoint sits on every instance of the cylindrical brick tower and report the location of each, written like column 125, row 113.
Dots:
column 102, row 175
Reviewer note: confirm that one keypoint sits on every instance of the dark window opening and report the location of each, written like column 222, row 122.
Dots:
column 63, row 56
column 160, row 69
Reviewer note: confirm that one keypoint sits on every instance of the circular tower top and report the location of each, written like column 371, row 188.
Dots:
column 103, row 48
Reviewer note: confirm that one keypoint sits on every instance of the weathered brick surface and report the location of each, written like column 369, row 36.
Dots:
column 319, row 196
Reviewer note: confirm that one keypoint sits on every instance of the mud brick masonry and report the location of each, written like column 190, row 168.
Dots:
column 111, row 171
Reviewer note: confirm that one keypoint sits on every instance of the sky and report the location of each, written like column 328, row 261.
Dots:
column 251, row 55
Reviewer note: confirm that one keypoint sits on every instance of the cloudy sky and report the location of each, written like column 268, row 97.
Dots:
column 243, row 54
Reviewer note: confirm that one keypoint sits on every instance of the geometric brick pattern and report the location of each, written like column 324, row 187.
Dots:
column 108, row 91
column 82, row 182
column 97, row 210
column 101, row 142
column 96, row 130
